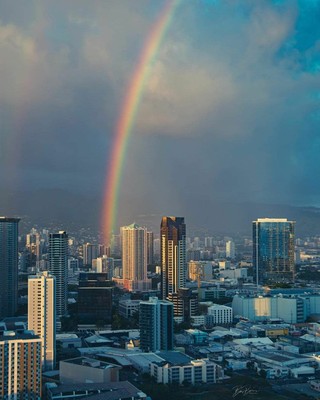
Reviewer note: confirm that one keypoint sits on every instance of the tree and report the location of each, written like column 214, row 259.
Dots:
column 263, row 373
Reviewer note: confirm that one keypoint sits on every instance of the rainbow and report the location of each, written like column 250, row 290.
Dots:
column 128, row 114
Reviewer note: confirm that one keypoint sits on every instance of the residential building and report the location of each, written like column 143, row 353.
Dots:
column 156, row 325
column 230, row 249
column 8, row 266
column 58, row 258
column 195, row 372
column 134, row 258
column 273, row 249
column 173, row 255
column 219, row 315
column 185, row 304
column 42, row 314
column 20, row 366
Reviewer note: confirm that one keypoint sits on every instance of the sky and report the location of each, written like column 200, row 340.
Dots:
column 230, row 112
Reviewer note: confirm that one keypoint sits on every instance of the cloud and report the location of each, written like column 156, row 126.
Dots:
column 231, row 108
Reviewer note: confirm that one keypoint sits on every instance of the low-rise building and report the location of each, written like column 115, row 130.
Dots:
column 111, row 391
column 88, row 370
column 128, row 307
column 219, row 315
column 194, row 372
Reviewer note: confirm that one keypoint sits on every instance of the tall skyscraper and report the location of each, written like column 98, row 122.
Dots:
column 150, row 251
column 42, row 314
column 90, row 252
column 8, row 266
column 173, row 255
column 273, row 249
column 134, row 258
column 20, row 366
column 58, row 258
column 156, row 325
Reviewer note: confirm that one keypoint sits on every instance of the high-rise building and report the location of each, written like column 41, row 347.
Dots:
column 58, row 258
column 20, row 366
column 90, row 252
column 134, row 258
column 156, row 325
column 230, row 249
column 273, row 249
column 185, row 304
column 105, row 264
column 8, row 266
column 95, row 298
column 42, row 314
column 173, row 255
column 150, row 252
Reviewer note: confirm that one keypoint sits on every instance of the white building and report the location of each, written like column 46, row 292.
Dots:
column 291, row 309
column 218, row 314
column 234, row 273
column 194, row 372
column 42, row 314
column 134, row 258
column 230, row 249
column 20, row 366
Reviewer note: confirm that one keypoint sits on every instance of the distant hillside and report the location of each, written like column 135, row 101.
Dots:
column 47, row 206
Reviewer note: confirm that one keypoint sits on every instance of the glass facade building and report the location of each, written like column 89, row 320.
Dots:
column 273, row 249
column 8, row 266
column 58, row 257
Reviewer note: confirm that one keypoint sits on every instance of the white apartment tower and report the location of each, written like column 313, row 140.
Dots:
column 134, row 258
column 42, row 314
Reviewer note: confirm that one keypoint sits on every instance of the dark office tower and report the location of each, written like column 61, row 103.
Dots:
column 8, row 266
column 173, row 255
column 58, row 258
column 149, row 248
column 273, row 249
column 94, row 298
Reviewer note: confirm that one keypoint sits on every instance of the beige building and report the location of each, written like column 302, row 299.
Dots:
column 134, row 258
column 200, row 270
column 42, row 315
column 20, row 366
column 88, row 370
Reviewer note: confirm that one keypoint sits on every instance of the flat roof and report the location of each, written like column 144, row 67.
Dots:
column 111, row 391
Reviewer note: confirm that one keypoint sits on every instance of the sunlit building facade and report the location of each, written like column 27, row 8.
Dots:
column 42, row 314
column 134, row 258
column 273, row 249
column 173, row 255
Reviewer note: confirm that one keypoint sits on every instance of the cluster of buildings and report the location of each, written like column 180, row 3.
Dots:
column 179, row 295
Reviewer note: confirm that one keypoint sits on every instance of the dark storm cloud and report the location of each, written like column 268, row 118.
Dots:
column 230, row 111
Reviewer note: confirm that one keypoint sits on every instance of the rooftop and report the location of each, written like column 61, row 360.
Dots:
column 109, row 391
column 90, row 362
